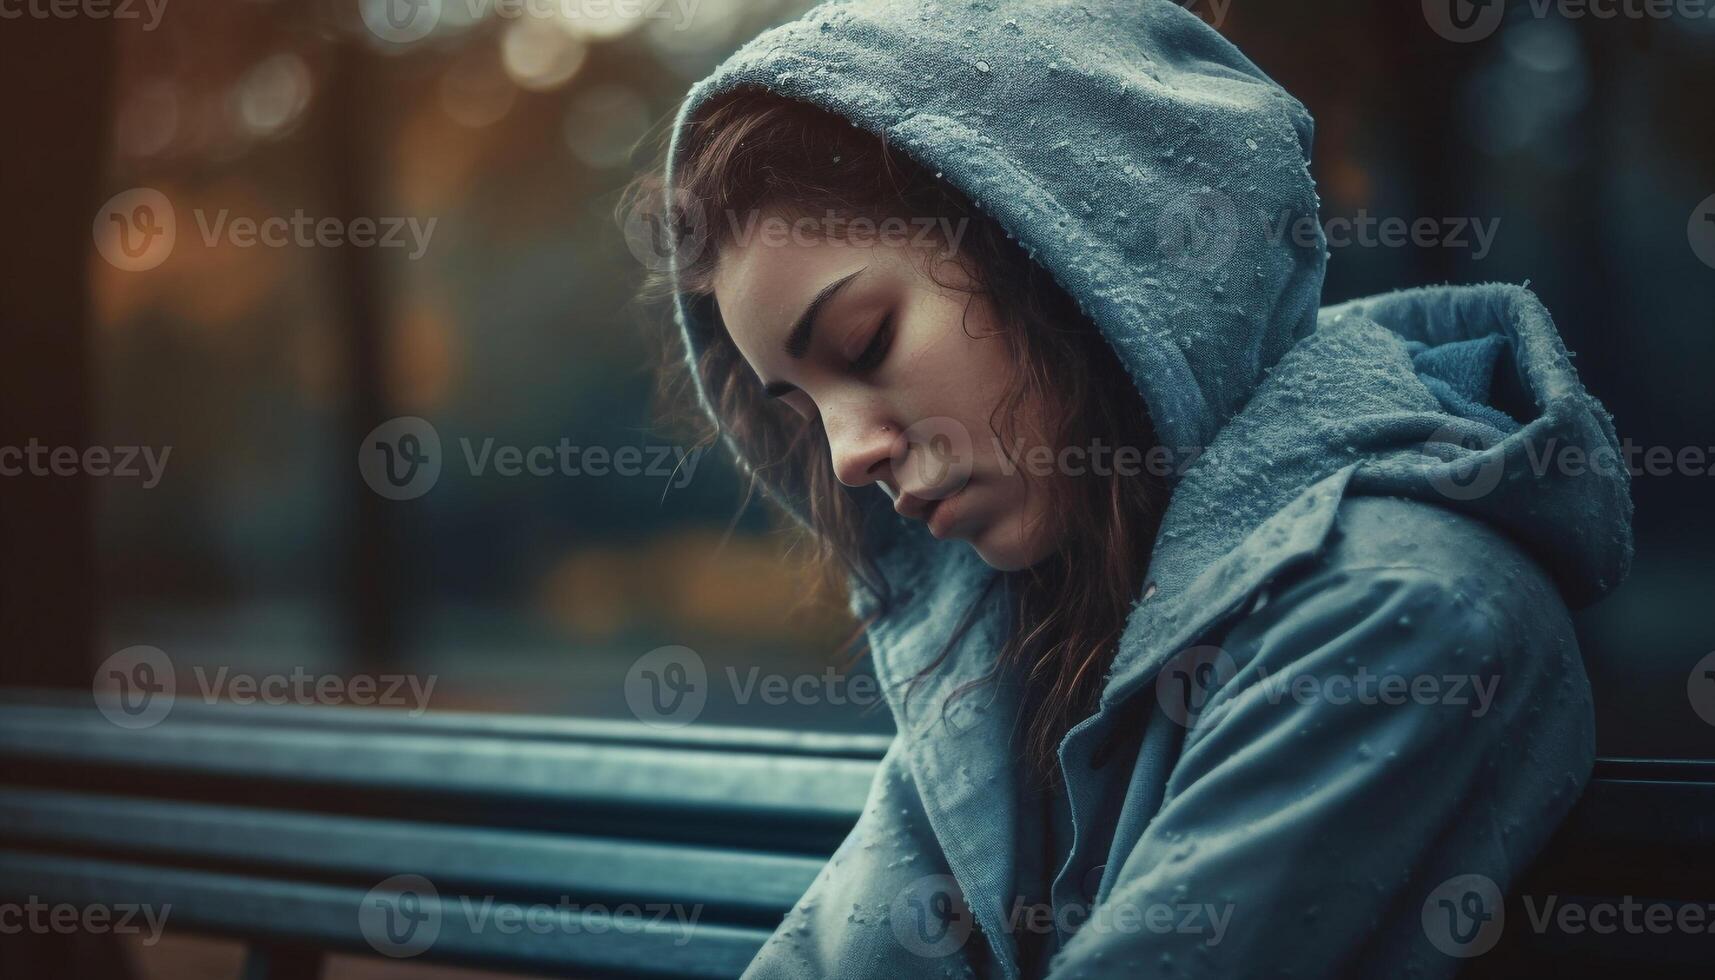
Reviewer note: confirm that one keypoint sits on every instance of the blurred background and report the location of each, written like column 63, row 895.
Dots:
column 1581, row 146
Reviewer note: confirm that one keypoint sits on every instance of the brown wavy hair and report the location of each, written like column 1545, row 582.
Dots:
column 753, row 152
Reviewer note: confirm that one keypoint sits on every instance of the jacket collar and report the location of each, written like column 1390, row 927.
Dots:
column 959, row 759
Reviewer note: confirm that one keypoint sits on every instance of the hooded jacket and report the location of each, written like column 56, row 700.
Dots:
column 1370, row 490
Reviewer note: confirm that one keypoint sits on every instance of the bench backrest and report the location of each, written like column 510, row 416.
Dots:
column 641, row 851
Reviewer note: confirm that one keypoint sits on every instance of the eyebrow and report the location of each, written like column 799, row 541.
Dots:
column 797, row 342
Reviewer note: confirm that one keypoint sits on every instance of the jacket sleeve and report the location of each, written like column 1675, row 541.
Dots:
column 1385, row 753
column 884, row 906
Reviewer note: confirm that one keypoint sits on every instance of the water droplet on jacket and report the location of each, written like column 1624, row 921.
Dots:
column 983, row 67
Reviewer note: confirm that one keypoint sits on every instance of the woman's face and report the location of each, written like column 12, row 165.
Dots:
column 904, row 372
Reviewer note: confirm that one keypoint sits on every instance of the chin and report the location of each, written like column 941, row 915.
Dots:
column 1011, row 554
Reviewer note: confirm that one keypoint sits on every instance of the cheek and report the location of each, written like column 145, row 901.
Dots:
column 960, row 365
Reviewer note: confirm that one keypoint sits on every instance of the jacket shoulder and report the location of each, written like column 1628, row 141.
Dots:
column 1411, row 589
column 1462, row 578
column 1445, row 549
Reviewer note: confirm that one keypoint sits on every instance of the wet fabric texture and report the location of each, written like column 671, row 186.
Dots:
column 1382, row 488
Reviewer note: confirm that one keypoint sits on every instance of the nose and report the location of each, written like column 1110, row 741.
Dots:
column 863, row 448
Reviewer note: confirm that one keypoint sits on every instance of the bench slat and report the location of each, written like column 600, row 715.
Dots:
column 20, row 702
column 738, row 884
column 782, row 801
column 469, row 932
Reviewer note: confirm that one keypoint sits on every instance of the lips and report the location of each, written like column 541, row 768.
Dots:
column 923, row 509
column 918, row 507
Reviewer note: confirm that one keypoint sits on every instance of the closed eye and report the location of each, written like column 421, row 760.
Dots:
column 878, row 347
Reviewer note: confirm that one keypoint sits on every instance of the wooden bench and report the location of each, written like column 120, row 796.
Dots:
column 275, row 825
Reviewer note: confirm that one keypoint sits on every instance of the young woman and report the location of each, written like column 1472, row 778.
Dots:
column 1225, row 635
